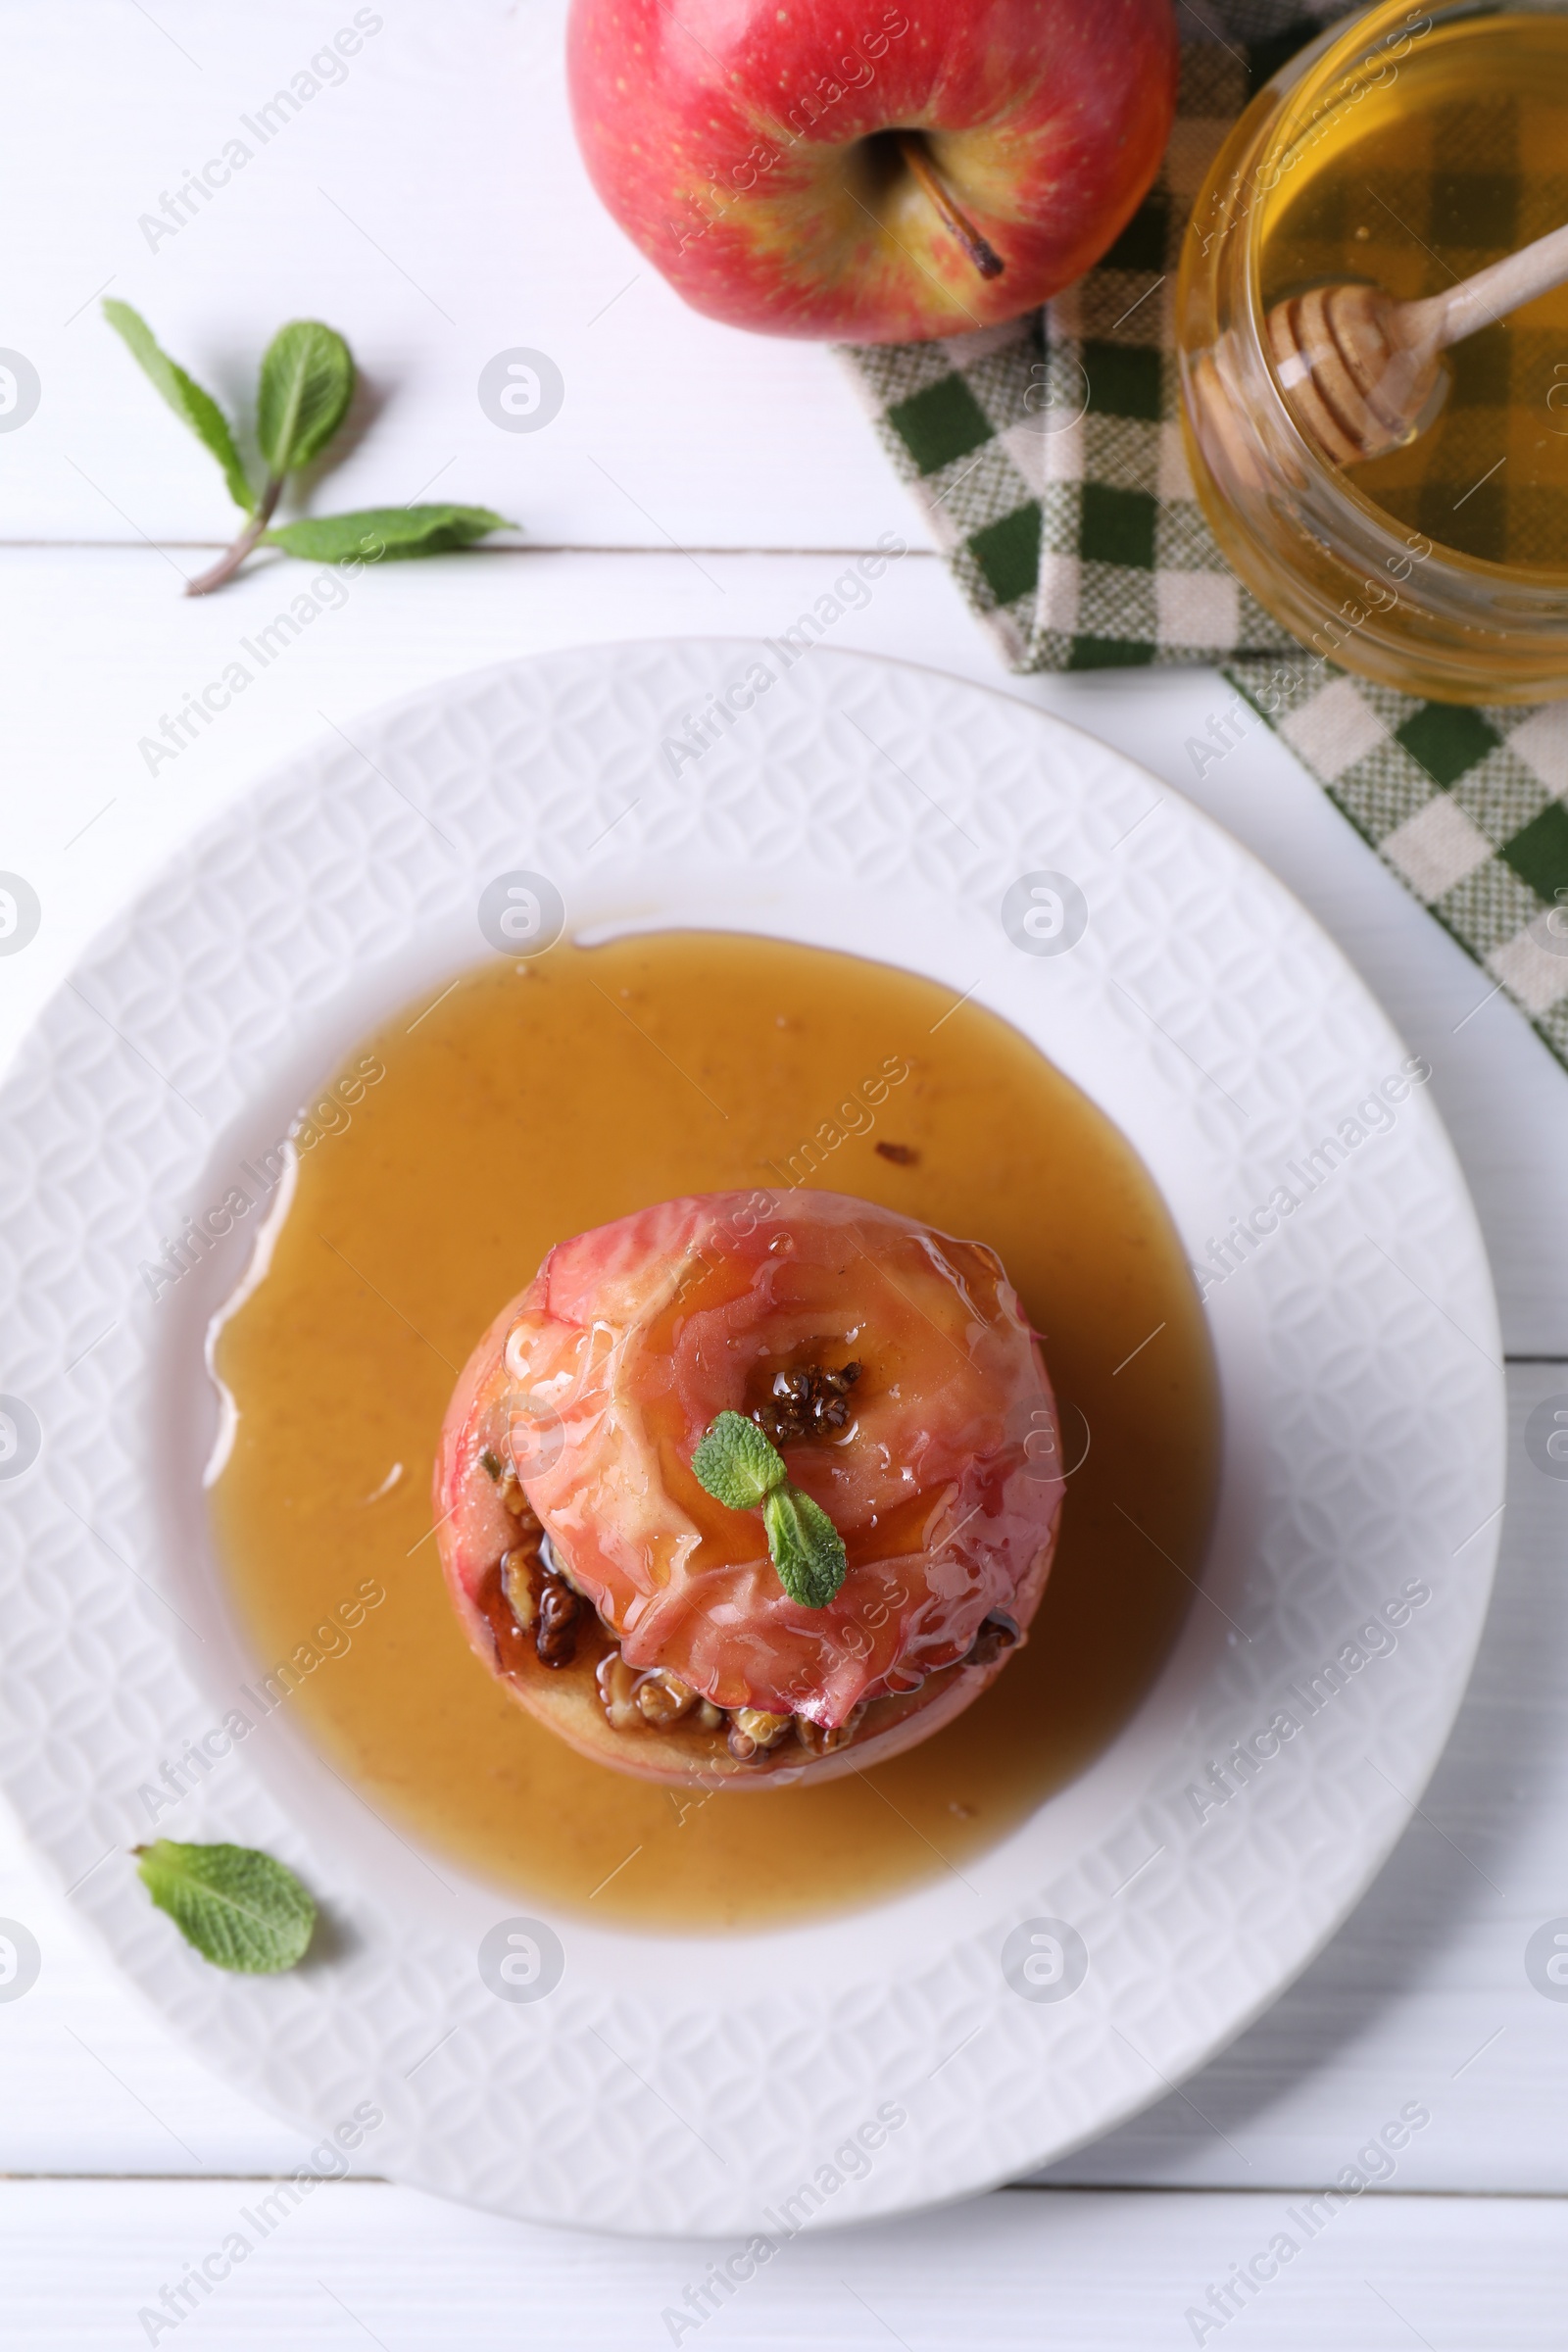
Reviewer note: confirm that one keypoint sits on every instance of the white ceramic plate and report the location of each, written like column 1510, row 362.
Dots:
column 702, row 2085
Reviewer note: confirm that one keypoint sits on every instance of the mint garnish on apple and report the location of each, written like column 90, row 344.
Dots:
column 740, row 1467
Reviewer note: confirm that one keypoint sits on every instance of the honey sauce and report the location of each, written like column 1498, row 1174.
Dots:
column 536, row 1099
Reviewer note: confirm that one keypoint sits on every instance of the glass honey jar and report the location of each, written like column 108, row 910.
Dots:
column 1406, row 148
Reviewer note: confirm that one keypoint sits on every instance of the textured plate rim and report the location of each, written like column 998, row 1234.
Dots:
column 737, row 773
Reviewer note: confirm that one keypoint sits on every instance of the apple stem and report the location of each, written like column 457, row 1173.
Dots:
column 985, row 257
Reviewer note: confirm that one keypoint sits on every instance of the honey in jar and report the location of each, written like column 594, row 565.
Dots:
column 1461, row 158
column 1408, row 151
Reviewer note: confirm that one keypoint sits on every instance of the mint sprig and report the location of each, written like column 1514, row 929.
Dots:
column 303, row 394
column 239, row 1908
column 740, row 1467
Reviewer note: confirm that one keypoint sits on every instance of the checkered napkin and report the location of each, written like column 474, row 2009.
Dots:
column 1048, row 457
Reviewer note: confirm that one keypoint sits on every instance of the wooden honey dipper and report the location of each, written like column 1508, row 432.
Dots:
column 1360, row 370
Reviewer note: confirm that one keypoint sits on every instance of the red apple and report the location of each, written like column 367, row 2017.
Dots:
column 878, row 172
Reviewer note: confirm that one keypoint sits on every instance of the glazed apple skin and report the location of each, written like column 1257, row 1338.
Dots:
column 729, row 139
column 598, row 1380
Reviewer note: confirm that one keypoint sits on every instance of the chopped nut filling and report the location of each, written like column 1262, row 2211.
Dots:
column 517, row 1582
column 818, row 1740
column 556, row 1566
column 752, row 1730
column 509, row 1489
column 999, row 1633
column 539, row 1601
column 662, row 1698
column 635, row 1701
column 559, row 1609
column 806, row 1402
column 542, row 1602
column 617, row 1690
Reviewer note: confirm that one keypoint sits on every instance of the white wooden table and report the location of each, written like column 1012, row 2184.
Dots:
column 431, row 206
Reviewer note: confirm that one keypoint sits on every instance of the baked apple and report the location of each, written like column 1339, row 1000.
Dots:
column 751, row 1485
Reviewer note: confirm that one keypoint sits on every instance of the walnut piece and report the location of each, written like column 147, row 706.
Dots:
column 818, row 1740
column 663, row 1698
column 751, row 1731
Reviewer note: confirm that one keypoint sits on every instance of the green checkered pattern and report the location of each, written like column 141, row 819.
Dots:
column 1467, row 806
column 1047, row 456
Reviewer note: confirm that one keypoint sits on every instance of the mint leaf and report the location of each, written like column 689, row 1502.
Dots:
column 380, row 531
column 307, row 382
column 185, row 397
column 742, row 1468
column 807, row 1547
column 737, row 1464
column 238, row 1907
